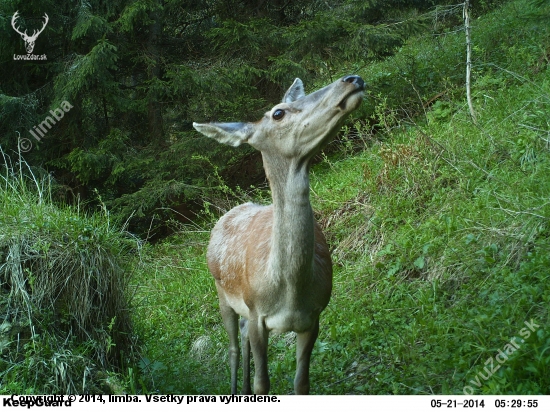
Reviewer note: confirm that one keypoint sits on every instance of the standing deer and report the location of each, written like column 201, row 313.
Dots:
column 29, row 40
column 271, row 263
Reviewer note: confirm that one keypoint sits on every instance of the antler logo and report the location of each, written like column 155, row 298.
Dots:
column 29, row 40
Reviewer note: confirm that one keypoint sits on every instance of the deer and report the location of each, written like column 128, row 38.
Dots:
column 271, row 264
column 29, row 40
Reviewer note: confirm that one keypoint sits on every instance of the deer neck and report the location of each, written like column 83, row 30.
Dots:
column 292, row 242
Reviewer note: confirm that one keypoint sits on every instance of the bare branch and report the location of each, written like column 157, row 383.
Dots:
column 468, row 60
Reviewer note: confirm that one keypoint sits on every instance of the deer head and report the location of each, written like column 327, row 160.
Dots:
column 299, row 125
column 29, row 40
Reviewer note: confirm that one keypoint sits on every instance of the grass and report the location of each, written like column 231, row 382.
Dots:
column 439, row 230
column 64, row 291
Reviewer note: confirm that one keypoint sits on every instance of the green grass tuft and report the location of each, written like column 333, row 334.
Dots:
column 64, row 291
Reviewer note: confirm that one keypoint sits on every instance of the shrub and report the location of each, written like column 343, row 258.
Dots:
column 64, row 290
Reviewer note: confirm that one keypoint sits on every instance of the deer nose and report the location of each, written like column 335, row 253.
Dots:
column 354, row 79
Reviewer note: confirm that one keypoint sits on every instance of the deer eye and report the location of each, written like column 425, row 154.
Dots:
column 278, row 114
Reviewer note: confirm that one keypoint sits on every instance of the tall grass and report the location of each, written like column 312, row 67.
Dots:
column 64, row 290
column 443, row 249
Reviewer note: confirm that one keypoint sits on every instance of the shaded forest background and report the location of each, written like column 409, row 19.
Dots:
column 138, row 73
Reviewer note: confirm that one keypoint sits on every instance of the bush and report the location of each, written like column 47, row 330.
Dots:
column 64, row 290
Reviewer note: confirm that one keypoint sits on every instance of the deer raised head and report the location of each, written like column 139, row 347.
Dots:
column 29, row 40
column 271, row 264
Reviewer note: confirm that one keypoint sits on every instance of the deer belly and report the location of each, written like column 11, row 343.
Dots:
column 287, row 320
column 238, row 305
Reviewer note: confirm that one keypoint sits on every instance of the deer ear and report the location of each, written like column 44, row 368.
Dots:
column 232, row 134
column 295, row 92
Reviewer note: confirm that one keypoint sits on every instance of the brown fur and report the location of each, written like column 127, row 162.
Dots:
column 248, row 248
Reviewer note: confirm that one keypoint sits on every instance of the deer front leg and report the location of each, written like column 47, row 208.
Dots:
column 304, row 346
column 245, row 344
column 231, row 323
column 259, row 336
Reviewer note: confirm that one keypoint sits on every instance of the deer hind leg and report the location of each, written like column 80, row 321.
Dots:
column 231, row 323
column 245, row 344
column 304, row 346
column 259, row 335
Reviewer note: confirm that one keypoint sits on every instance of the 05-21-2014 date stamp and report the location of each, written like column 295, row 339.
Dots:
column 481, row 403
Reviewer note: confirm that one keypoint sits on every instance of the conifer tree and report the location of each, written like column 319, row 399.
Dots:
column 138, row 72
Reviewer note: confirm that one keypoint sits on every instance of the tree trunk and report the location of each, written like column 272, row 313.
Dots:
column 154, row 110
column 468, row 59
